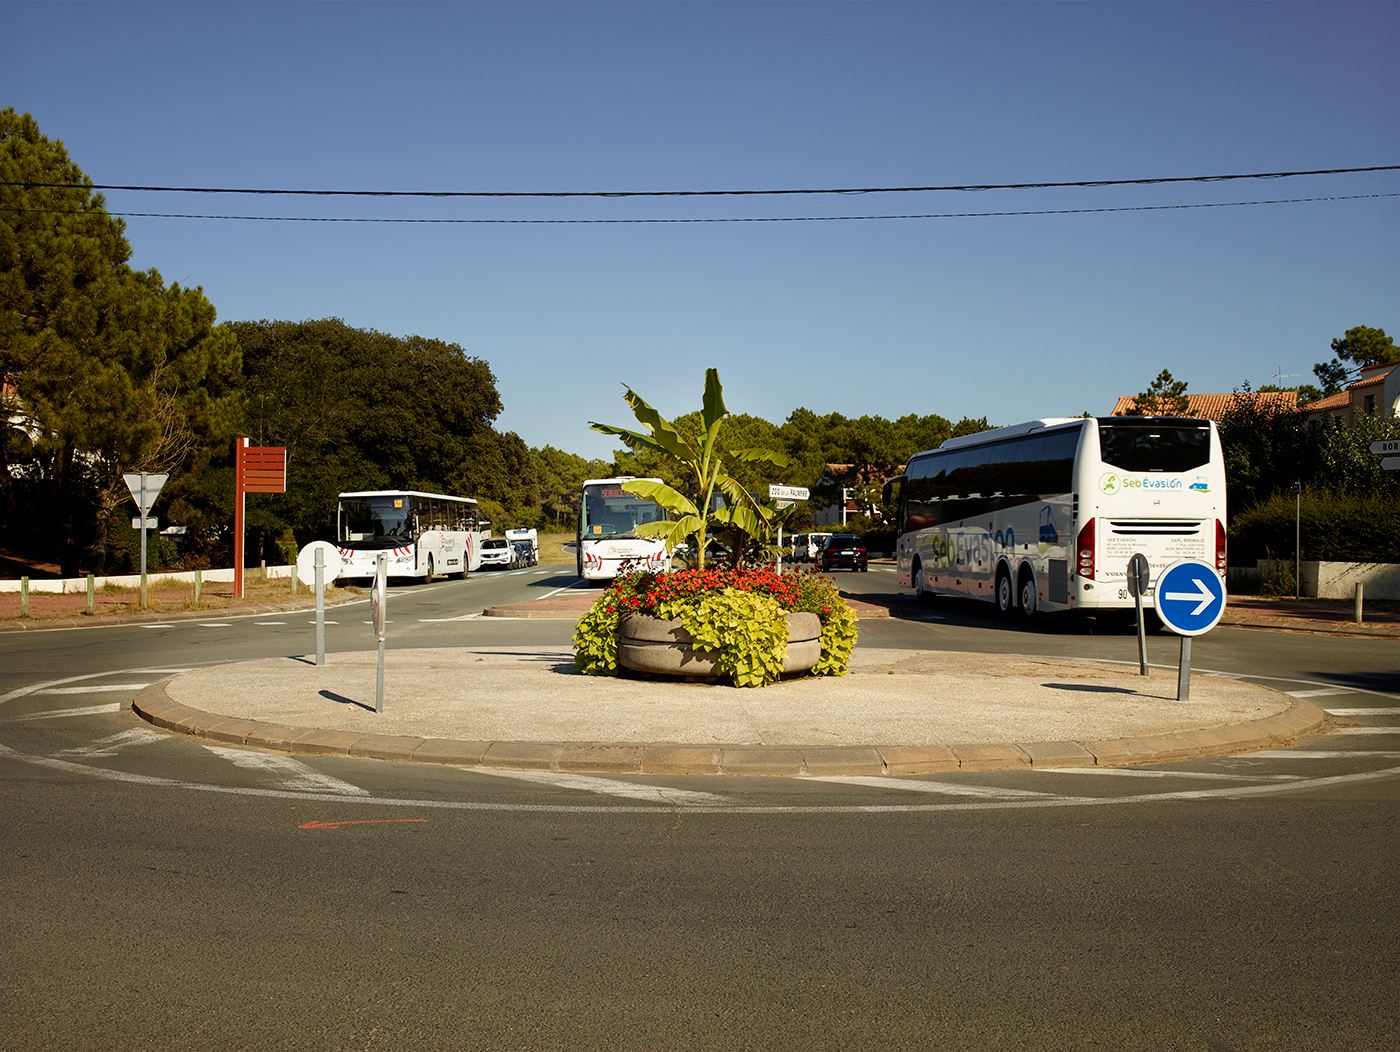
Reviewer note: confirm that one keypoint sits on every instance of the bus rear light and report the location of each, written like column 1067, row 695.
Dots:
column 1220, row 553
column 1084, row 546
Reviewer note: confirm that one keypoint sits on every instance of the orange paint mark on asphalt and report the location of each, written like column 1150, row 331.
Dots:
column 357, row 822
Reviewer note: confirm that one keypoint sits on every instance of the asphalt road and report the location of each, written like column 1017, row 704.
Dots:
column 164, row 894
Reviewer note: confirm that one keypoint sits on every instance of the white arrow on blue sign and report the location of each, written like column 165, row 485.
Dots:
column 1190, row 597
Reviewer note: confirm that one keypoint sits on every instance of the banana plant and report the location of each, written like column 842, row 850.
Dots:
column 704, row 461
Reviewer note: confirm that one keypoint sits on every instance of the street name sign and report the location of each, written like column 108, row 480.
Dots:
column 1190, row 597
column 788, row 492
column 1386, row 445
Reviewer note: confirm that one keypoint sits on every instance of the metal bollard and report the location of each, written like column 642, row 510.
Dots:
column 1356, row 609
column 24, row 597
column 92, row 595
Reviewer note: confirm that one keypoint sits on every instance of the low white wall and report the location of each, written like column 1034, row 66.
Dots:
column 1339, row 580
column 1329, row 580
column 79, row 584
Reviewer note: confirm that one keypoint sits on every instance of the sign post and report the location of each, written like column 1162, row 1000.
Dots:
column 1190, row 600
column 785, row 497
column 144, row 490
column 1138, row 579
column 377, row 598
column 319, row 562
column 256, row 469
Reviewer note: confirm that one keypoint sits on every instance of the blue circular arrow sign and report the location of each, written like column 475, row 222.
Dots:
column 1190, row 597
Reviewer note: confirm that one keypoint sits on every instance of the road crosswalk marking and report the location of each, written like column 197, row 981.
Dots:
column 293, row 773
column 609, row 786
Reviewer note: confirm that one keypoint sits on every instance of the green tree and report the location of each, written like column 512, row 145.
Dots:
column 1360, row 347
column 1165, row 396
column 703, row 461
column 111, row 370
column 360, row 409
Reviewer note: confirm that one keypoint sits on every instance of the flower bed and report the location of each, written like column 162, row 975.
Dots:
column 738, row 616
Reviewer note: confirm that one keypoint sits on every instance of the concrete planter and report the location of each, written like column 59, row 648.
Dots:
column 664, row 648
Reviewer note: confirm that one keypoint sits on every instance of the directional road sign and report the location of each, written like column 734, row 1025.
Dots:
column 1190, row 597
column 1386, row 445
column 788, row 492
column 1390, row 463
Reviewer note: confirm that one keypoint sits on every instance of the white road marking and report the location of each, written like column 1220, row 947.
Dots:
column 1320, row 693
column 439, row 620
column 1324, row 754
column 294, row 773
column 1232, row 793
column 115, row 743
column 1138, row 772
column 1363, row 712
column 609, row 786
column 93, row 689
column 35, row 688
column 269, row 622
column 1368, row 730
column 155, row 626
column 991, row 792
column 215, row 624
column 324, row 622
column 90, row 710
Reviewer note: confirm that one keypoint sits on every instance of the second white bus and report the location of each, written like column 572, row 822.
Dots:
column 426, row 534
column 607, row 531
column 1045, row 515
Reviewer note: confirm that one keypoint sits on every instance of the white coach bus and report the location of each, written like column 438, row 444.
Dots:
column 607, row 531
column 427, row 535
column 1044, row 516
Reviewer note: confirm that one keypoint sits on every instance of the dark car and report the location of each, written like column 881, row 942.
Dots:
column 843, row 551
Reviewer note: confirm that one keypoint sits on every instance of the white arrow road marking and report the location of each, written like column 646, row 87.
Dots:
column 1204, row 594
column 946, row 788
column 115, row 743
column 88, row 710
column 294, row 773
column 93, row 689
column 609, row 786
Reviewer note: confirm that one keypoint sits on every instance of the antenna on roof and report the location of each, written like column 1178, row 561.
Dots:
column 1281, row 376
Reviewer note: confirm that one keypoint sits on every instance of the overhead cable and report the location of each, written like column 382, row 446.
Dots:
column 708, row 193
column 754, row 219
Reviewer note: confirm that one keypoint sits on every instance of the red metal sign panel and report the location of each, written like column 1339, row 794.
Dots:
column 261, row 469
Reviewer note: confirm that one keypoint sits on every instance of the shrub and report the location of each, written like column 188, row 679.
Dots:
column 736, row 614
column 1334, row 527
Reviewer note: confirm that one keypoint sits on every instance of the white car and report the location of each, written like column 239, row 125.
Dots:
column 496, row 551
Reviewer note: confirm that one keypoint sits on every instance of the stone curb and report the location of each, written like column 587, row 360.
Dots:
column 1303, row 718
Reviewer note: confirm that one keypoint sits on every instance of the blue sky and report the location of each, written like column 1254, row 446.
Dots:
column 1008, row 317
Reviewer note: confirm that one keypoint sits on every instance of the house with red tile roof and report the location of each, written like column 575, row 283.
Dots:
column 1215, row 406
column 1378, row 390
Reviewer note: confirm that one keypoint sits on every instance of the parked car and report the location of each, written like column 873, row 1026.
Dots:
column 843, row 551
column 496, row 551
column 805, row 546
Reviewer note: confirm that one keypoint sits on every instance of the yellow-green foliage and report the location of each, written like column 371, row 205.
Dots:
column 838, row 640
column 745, row 631
column 595, row 639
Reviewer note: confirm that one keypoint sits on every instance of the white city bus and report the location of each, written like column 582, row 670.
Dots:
column 1045, row 515
column 426, row 534
column 607, row 531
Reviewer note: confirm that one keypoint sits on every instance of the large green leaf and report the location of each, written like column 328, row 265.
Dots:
column 663, row 434
column 771, row 456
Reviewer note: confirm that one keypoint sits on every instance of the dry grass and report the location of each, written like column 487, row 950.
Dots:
column 163, row 596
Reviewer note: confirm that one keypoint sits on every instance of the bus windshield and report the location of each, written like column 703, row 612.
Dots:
column 375, row 522
column 1153, row 445
column 610, row 511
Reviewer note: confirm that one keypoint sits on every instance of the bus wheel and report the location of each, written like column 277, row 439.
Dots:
column 429, row 578
column 1028, row 596
column 1004, row 594
column 920, row 592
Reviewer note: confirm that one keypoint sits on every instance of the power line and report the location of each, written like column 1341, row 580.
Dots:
column 755, row 219
column 705, row 193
